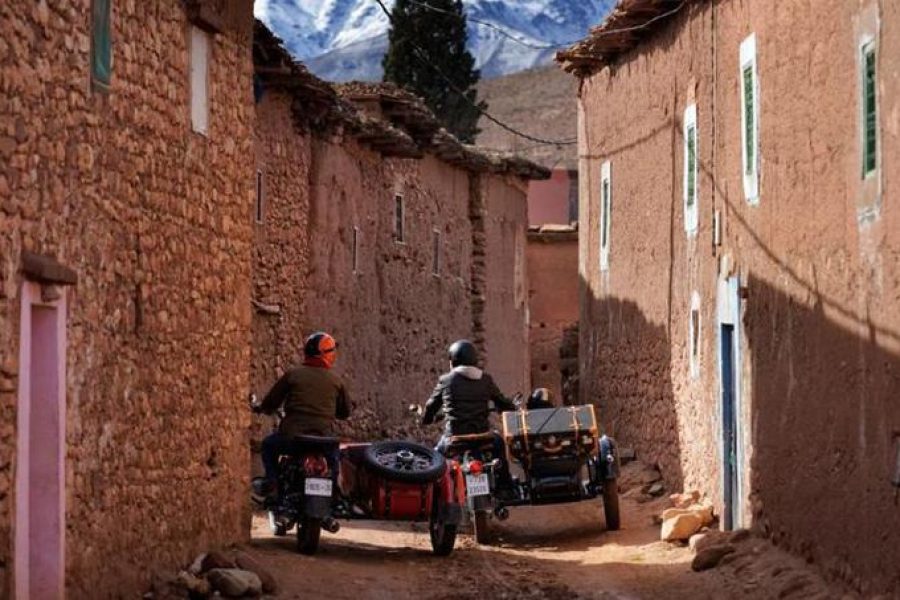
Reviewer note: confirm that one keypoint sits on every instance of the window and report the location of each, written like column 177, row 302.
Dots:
column 691, row 168
column 869, row 109
column 260, row 215
column 199, row 80
column 399, row 217
column 750, row 119
column 101, row 45
column 605, row 214
column 355, row 250
column 694, row 342
column 436, row 252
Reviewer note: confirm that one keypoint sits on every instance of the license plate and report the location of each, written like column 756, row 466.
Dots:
column 318, row 487
column 478, row 485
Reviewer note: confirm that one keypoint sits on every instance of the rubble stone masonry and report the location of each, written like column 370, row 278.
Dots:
column 818, row 259
column 155, row 219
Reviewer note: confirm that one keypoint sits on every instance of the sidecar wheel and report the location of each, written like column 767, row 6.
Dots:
column 309, row 531
column 611, row 504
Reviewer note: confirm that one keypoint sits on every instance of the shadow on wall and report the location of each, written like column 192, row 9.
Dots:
column 826, row 417
column 626, row 373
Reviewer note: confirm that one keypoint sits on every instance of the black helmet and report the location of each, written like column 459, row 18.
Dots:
column 463, row 354
column 540, row 398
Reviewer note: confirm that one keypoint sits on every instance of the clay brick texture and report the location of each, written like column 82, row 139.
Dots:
column 155, row 220
column 329, row 257
column 817, row 356
column 552, row 259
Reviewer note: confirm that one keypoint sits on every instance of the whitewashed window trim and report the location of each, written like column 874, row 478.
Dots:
column 870, row 158
column 749, row 84
column 691, row 171
column 200, row 47
column 605, row 214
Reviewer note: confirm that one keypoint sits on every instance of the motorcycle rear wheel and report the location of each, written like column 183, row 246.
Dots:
column 481, row 522
column 309, row 530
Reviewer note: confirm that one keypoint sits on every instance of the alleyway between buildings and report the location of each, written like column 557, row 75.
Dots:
column 555, row 552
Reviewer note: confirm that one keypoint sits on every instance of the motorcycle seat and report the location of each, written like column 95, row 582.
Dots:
column 472, row 441
column 316, row 441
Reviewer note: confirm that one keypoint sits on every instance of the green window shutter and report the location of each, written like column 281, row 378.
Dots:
column 101, row 42
column 870, row 116
column 604, row 230
column 749, row 121
column 691, row 166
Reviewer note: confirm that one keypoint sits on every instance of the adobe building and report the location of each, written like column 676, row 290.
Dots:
column 552, row 257
column 125, row 258
column 375, row 224
column 739, row 240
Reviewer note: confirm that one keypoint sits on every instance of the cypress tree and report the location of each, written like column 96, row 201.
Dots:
column 423, row 42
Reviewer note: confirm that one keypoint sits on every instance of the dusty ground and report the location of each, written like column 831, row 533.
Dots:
column 551, row 552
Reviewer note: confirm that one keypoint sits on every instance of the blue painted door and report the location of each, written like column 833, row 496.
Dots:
column 729, row 428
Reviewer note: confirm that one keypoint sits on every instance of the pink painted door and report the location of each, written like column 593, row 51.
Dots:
column 40, row 472
column 45, row 493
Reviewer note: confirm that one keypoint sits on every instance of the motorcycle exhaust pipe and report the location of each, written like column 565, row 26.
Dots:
column 331, row 525
column 502, row 513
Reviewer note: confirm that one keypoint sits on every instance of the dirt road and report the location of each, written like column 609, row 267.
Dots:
column 555, row 552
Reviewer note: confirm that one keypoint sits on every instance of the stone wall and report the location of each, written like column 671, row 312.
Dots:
column 155, row 221
column 816, row 257
column 552, row 303
column 392, row 315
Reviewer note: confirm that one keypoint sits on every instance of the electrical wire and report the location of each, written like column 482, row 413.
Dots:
column 423, row 57
column 554, row 46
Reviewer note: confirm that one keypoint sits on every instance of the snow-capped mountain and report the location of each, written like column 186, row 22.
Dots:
column 343, row 40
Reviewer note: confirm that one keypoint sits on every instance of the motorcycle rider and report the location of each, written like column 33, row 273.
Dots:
column 312, row 397
column 465, row 395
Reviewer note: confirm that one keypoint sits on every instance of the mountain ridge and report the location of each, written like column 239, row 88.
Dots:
column 343, row 40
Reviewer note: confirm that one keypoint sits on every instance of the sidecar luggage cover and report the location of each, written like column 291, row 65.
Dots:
column 522, row 428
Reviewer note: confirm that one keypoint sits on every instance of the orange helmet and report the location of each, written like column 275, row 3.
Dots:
column 322, row 346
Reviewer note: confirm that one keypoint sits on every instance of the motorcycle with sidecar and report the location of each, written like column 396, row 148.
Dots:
column 322, row 480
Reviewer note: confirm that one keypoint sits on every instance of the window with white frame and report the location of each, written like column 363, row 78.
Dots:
column 260, row 191
column 694, row 336
column 869, row 104
column 399, row 219
column 355, row 249
column 200, row 43
column 691, row 170
column 436, row 252
column 749, row 78
column 605, row 213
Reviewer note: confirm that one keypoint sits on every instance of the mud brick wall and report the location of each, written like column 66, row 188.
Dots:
column 155, row 219
column 552, row 304
column 817, row 256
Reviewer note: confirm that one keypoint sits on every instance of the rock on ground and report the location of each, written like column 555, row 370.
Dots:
column 680, row 527
column 235, row 583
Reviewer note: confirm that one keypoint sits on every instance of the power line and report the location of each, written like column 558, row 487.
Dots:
column 555, row 46
column 422, row 56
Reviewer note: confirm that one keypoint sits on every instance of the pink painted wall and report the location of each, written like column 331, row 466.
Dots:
column 548, row 201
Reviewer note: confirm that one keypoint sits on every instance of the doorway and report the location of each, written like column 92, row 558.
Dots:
column 40, row 474
column 730, row 411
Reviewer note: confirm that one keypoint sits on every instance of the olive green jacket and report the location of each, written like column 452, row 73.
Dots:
column 312, row 397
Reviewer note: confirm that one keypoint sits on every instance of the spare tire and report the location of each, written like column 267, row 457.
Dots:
column 407, row 462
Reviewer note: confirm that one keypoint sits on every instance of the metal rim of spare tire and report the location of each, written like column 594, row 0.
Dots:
column 405, row 461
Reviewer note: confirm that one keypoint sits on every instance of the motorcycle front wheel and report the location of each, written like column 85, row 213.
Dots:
column 309, row 530
column 443, row 537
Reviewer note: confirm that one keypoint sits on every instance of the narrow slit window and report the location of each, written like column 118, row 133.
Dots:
column 200, row 42
column 605, row 214
column 436, row 252
column 355, row 250
column 749, row 79
column 101, row 44
column 399, row 218
column 691, row 170
column 260, row 214
column 870, row 110
column 694, row 335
